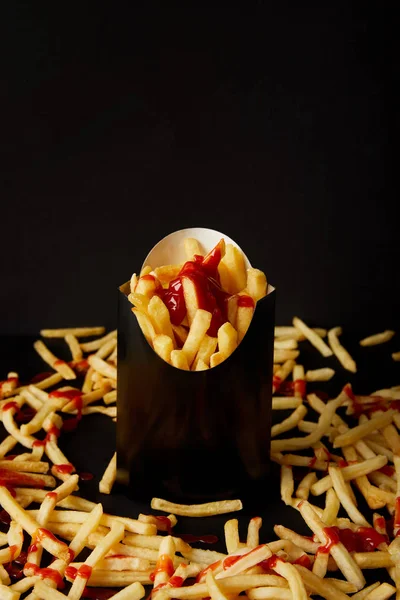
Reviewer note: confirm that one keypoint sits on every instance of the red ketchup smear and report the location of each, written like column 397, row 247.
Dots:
column 365, row 539
column 98, row 593
column 276, row 382
column 380, row 523
column 64, row 469
column 304, row 561
column 205, row 539
column 300, row 387
column 46, row 574
column 387, row 470
column 43, row 533
column 86, row 476
column 203, row 273
column 312, row 462
column 164, row 565
column 76, row 397
column 52, row 495
column 286, row 388
column 84, row 571
column 53, row 431
column 25, row 414
column 10, row 405
column 59, row 362
column 32, row 548
column 396, row 520
column 229, row 561
column 332, row 534
column 16, row 479
column 79, row 366
column 322, row 395
column 270, row 562
column 342, row 463
column 211, row 567
column 245, row 302
column 164, row 524
column 71, row 572
column 175, row 581
column 41, row 377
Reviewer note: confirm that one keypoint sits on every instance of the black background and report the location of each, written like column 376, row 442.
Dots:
column 122, row 122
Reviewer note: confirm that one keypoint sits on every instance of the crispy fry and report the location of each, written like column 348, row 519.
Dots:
column 74, row 347
column 75, row 331
column 192, row 248
column 197, row 510
column 179, row 360
column 200, row 324
column 291, row 422
column 256, row 284
column 109, row 476
column 377, row 338
column 312, row 337
column 340, row 352
column 163, row 345
column 360, row 431
column 324, row 374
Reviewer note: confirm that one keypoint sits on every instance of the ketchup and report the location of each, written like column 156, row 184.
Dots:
column 86, row 476
column 332, row 535
column 304, row 561
column 10, row 405
column 387, row 470
column 76, row 398
column 312, row 462
column 175, row 581
column 300, row 387
column 396, row 521
column 84, row 571
column 164, row 565
column 25, row 414
column 68, row 394
column 46, row 574
column 203, row 274
column 53, row 431
column 245, row 301
column 64, row 469
column 229, row 561
column 164, row 524
column 211, row 567
column 41, row 376
column 59, row 362
column 98, row 593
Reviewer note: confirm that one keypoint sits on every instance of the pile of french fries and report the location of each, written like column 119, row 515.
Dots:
column 202, row 333
column 71, row 545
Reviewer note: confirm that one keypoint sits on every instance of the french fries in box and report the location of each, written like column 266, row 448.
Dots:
column 202, row 306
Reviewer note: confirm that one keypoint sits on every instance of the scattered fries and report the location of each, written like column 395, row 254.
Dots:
column 127, row 553
column 378, row 338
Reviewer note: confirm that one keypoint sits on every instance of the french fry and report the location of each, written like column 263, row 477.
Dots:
column 320, row 586
column 324, row 423
column 289, row 344
column 207, row 347
column 340, row 352
column 285, row 403
column 179, row 360
column 303, row 489
column 344, row 560
column 289, row 423
column 200, row 324
column 213, row 588
column 253, row 537
column 147, row 285
column 74, row 347
column 96, row 344
column 324, row 374
column 396, row 356
column 159, row 315
column 290, row 332
column 102, row 367
column 163, row 345
column 192, row 248
column 234, row 261
column 244, row 315
column 341, row 490
column 312, row 337
column 227, row 339
column 281, row 374
column 281, row 356
column 139, row 301
column 231, row 531
column 167, row 273
column 377, row 338
column 256, row 284
column 109, row 476
column 197, row 510
column 181, row 334
column 134, row 591
column 360, row 431
column 287, row 484
column 75, row 331
column 133, row 283
column 293, row 577
column 58, row 365
column 201, row 366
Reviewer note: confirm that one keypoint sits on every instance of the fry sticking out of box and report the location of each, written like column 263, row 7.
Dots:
column 195, row 350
